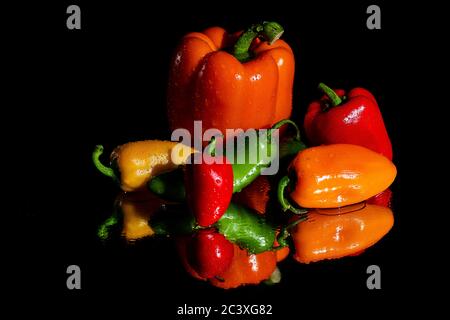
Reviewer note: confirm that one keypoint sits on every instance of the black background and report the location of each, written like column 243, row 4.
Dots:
column 106, row 84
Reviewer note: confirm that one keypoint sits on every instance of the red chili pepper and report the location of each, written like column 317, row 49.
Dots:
column 352, row 118
column 209, row 187
column 210, row 253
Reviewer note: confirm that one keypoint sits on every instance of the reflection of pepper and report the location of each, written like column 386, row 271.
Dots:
column 137, row 210
column 132, row 214
column 182, row 244
column 247, row 229
column 336, row 175
column 209, row 253
column 246, row 269
column 135, row 163
column 335, row 236
column 239, row 225
column 248, row 90
column 173, row 220
column 352, row 117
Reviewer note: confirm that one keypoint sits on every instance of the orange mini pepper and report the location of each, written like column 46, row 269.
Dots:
column 336, row 175
column 251, row 87
column 334, row 236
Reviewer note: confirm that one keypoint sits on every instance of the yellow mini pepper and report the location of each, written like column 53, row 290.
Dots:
column 134, row 164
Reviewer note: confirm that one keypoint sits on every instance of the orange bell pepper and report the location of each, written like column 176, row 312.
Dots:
column 246, row 269
column 246, row 89
column 334, row 236
column 336, row 175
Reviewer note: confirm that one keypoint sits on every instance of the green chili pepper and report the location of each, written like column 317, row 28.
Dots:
column 169, row 186
column 247, row 229
column 264, row 153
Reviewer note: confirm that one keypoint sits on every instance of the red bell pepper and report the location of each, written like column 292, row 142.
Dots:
column 352, row 118
column 209, row 187
column 382, row 199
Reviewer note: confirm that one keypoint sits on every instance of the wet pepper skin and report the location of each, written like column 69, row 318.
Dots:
column 137, row 162
column 209, row 187
column 334, row 236
column 357, row 120
column 209, row 253
column 338, row 175
column 246, row 269
column 211, row 85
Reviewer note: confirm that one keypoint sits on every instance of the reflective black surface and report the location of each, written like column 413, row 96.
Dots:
column 106, row 84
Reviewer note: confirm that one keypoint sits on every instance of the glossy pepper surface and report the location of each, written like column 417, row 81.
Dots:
column 134, row 164
column 247, row 229
column 246, row 269
column 334, row 236
column 239, row 225
column 347, row 117
column 382, row 199
column 209, row 253
column 249, row 162
column 209, row 187
column 248, row 88
column 338, row 175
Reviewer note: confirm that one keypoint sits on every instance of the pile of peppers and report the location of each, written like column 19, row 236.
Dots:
column 232, row 225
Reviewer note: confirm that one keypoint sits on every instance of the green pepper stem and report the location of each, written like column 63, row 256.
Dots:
column 331, row 94
column 281, row 123
column 107, row 171
column 270, row 31
column 285, row 204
